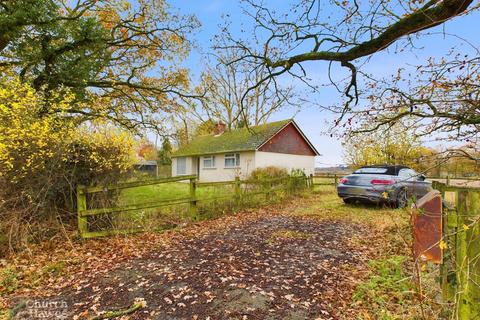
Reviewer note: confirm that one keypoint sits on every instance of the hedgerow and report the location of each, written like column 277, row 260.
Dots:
column 44, row 156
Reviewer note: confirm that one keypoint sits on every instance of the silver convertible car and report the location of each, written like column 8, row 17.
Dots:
column 390, row 184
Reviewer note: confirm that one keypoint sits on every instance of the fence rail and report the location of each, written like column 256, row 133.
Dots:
column 332, row 177
column 241, row 188
column 133, row 184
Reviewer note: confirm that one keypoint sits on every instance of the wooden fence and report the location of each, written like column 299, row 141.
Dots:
column 326, row 179
column 243, row 191
column 460, row 270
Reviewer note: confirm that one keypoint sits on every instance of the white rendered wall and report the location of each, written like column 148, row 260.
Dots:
column 284, row 160
column 220, row 173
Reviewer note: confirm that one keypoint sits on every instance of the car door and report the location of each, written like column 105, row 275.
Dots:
column 421, row 186
column 415, row 182
column 406, row 181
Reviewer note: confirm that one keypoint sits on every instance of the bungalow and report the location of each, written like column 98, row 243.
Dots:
column 224, row 155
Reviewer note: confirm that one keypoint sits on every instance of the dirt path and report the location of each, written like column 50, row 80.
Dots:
column 276, row 267
column 271, row 266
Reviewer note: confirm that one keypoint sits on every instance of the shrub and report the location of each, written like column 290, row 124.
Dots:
column 297, row 180
column 274, row 178
column 43, row 156
column 270, row 172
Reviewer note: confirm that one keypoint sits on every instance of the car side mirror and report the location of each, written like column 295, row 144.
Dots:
column 421, row 177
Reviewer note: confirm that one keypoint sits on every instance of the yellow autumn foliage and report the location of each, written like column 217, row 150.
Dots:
column 43, row 156
column 397, row 145
column 27, row 138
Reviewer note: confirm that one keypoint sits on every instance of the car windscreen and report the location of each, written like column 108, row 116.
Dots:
column 371, row 170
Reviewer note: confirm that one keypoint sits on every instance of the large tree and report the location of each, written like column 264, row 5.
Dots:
column 335, row 33
column 225, row 85
column 440, row 98
column 119, row 56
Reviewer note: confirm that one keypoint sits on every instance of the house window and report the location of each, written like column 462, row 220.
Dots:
column 181, row 165
column 232, row 160
column 209, row 162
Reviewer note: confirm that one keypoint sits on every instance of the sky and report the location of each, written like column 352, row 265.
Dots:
column 313, row 120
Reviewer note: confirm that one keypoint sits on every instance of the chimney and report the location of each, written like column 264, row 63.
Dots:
column 219, row 128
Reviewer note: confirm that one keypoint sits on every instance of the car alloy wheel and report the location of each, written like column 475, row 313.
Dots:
column 402, row 198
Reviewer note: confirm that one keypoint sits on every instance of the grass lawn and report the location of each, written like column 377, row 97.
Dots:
column 332, row 207
column 154, row 193
column 172, row 190
column 166, row 216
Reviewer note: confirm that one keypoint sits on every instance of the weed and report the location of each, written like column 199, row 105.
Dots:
column 5, row 314
column 54, row 268
column 8, row 280
column 387, row 287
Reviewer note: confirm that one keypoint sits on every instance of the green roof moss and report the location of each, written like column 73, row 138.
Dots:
column 231, row 141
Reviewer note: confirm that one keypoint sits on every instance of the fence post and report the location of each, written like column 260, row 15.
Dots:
column 448, row 180
column 336, row 179
column 467, row 251
column 81, row 206
column 268, row 190
column 237, row 190
column 444, row 267
column 311, row 181
column 193, row 198
column 473, row 237
column 460, row 259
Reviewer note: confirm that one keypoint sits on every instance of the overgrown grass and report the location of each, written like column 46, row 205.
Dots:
column 388, row 288
column 212, row 201
column 327, row 205
column 8, row 280
column 325, row 180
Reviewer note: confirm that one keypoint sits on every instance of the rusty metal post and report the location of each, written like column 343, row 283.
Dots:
column 427, row 228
